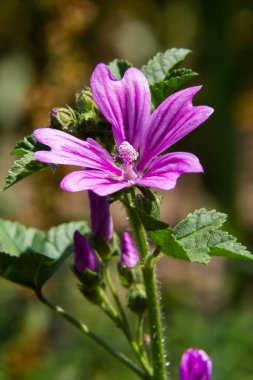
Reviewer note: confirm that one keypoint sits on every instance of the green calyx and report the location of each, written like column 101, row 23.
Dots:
column 137, row 299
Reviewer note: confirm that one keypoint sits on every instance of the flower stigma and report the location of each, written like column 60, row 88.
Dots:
column 128, row 155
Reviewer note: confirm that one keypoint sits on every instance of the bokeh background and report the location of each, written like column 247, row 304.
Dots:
column 48, row 49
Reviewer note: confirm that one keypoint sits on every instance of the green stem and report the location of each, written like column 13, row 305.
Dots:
column 153, row 308
column 140, row 354
column 109, row 310
column 118, row 302
column 137, row 227
column 85, row 330
column 155, row 324
column 139, row 332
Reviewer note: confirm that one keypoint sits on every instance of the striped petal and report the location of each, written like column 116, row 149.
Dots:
column 95, row 180
column 125, row 103
column 69, row 150
column 170, row 122
column 165, row 170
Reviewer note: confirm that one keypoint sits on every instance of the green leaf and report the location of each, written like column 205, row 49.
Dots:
column 227, row 246
column 198, row 221
column 200, row 236
column 27, row 145
column 158, row 67
column 29, row 256
column 23, row 168
column 26, row 165
column 149, row 204
column 162, row 89
column 118, row 67
column 170, row 246
column 194, row 239
column 148, row 209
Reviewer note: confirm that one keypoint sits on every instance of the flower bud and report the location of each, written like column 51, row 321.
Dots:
column 84, row 256
column 54, row 112
column 129, row 255
column 101, row 220
column 87, row 108
column 195, row 365
column 85, row 102
column 137, row 299
column 64, row 119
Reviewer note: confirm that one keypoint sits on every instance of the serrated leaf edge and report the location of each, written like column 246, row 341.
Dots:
column 205, row 228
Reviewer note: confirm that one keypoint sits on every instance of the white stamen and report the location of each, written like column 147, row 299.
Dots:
column 127, row 153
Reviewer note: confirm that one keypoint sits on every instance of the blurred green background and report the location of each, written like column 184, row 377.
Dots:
column 48, row 49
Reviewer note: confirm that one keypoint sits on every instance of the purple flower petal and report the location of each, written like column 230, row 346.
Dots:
column 101, row 183
column 129, row 255
column 162, row 182
column 67, row 149
column 84, row 256
column 176, row 162
column 195, row 365
column 101, row 220
column 126, row 104
column 165, row 170
column 170, row 122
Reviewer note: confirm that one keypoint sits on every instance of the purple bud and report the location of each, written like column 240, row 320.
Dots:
column 54, row 111
column 195, row 365
column 129, row 254
column 101, row 220
column 84, row 256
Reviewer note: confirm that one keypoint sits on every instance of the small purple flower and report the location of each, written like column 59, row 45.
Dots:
column 140, row 137
column 129, row 255
column 195, row 365
column 101, row 220
column 84, row 256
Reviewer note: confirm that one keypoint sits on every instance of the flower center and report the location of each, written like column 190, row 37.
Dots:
column 128, row 155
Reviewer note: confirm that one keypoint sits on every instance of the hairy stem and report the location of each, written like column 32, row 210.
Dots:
column 137, row 349
column 155, row 324
column 154, row 314
column 85, row 330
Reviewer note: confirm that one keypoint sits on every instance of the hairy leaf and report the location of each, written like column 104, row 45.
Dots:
column 200, row 236
column 158, row 67
column 162, row 89
column 27, row 145
column 118, row 67
column 29, row 256
column 26, row 165
column 23, row 168
column 196, row 238
column 198, row 221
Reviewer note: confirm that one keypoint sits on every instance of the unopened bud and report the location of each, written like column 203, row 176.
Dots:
column 101, row 220
column 137, row 299
column 84, row 256
column 195, row 365
column 65, row 119
column 86, row 106
column 85, row 101
column 129, row 255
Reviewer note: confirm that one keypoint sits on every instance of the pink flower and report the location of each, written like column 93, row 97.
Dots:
column 140, row 137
